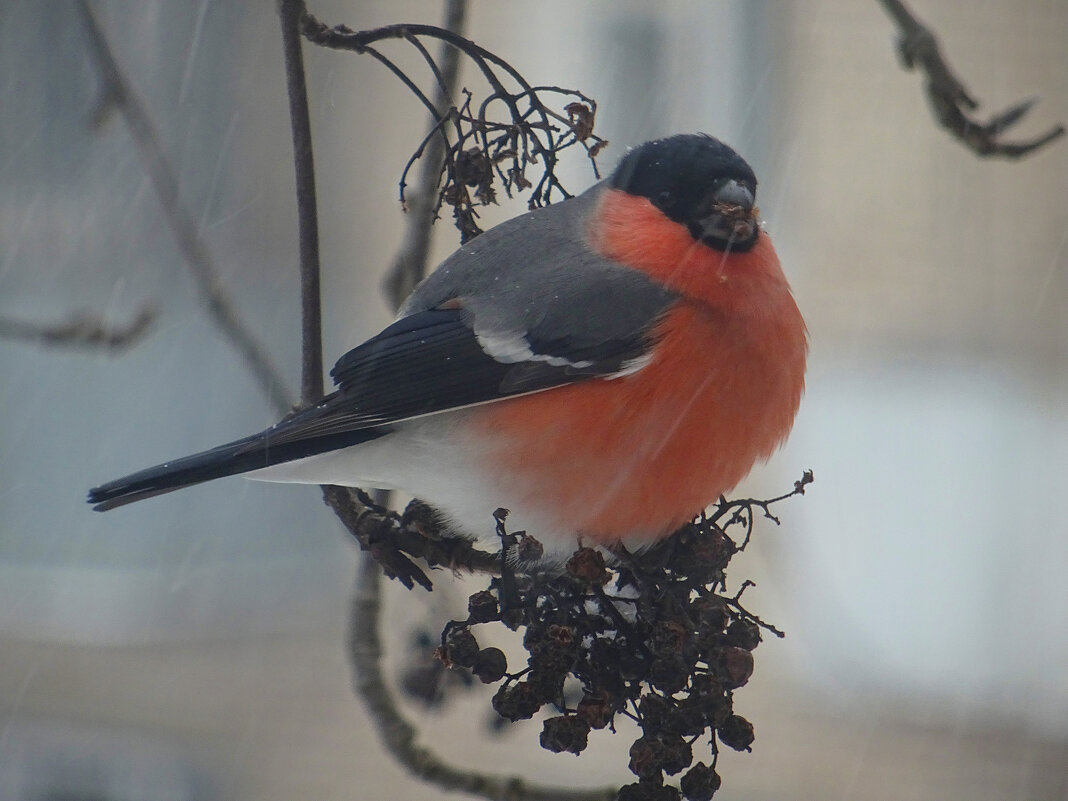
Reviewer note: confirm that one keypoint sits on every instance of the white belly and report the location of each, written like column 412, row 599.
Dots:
column 428, row 459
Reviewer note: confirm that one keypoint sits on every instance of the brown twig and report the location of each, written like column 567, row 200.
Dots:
column 481, row 148
column 409, row 266
column 951, row 101
column 117, row 94
column 82, row 329
column 311, row 373
column 741, row 509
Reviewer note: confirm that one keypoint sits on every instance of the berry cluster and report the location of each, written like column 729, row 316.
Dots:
column 649, row 637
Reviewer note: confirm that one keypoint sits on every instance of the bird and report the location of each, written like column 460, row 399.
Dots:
column 604, row 367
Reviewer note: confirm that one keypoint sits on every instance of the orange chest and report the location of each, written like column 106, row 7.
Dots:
column 641, row 454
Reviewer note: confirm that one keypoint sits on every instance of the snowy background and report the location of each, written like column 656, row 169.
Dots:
column 193, row 646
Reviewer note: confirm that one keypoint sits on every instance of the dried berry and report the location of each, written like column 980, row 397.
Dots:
column 676, row 753
column 548, row 685
column 529, row 549
column 512, row 618
column 633, row 665
column 565, row 733
column 654, row 711
column 461, row 647
column 646, row 790
column 653, row 753
column 736, row 732
column 482, row 607
column 711, row 613
column 644, row 757
column 713, row 699
column 587, row 565
column 669, row 675
column 668, row 638
column 690, row 718
column 490, row 666
column 561, row 636
column 734, row 666
column 518, row 701
column 700, row 783
column 743, row 634
column 474, row 167
column 595, row 710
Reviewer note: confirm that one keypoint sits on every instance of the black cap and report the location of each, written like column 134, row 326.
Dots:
column 680, row 174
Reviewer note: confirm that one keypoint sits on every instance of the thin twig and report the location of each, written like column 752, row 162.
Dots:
column 528, row 133
column 399, row 735
column 311, row 372
column 82, row 329
column 409, row 266
column 116, row 94
column 918, row 46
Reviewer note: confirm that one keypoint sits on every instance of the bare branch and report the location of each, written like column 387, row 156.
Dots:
column 117, row 95
column 311, row 373
column 409, row 266
column 82, row 329
column 478, row 144
column 951, row 101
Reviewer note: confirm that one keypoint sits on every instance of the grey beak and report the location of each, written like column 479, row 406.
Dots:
column 735, row 194
column 729, row 221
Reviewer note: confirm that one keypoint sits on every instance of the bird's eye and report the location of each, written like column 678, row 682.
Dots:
column 665, row 200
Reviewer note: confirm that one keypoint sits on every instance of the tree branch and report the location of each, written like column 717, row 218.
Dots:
column 117, row 95
column 82, row 329
column 409, row 266
column 478, row 144
column 951, row 101
column 311, row 373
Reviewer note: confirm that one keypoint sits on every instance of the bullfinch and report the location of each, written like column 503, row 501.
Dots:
column 604, row 367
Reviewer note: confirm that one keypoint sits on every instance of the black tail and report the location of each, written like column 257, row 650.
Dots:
column 251, row 453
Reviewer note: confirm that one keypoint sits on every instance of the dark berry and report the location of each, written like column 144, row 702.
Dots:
column 461, row 647
column 734, row 666
column 565, row 733
column 743, row 634
column 516, row 702
column 736, row 732
column 482, row 607
column 490, row 666
column 700, row 783
column 595, row 710
column 587, row 565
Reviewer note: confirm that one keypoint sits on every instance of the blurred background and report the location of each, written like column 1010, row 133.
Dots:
column 194, row 646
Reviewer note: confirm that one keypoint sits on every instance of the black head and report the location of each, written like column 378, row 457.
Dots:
column 698, row 181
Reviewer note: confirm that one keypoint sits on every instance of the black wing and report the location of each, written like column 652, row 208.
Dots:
column 434, row 360
column 427, row 362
